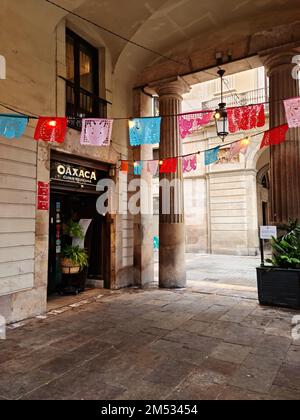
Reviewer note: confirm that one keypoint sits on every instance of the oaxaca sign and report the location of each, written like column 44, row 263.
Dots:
column 73, row 173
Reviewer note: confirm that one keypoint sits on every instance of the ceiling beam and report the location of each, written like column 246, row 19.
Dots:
column 201, row 65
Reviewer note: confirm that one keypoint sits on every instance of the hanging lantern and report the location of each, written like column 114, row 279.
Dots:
column 221, row 116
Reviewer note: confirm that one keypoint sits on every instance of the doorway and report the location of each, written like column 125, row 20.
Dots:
column 265, row 210
column 73, row 197
column 75, row 206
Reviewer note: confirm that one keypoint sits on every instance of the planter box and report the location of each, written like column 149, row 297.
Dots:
column 279, row 287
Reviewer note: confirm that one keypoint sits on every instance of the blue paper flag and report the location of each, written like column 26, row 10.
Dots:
column 138, row 167
column 12, row 127
column 212, row 155
column 144, row 131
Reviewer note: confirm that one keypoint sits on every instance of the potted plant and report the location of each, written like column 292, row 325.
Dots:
column 74, row 259
column 279, row 283
column 73, row 230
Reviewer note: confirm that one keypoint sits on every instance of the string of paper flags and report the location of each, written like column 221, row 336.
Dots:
column 189, row 161
column 97, row 132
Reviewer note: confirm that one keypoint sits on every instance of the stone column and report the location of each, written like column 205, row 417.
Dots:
column 172, row 268
column 143, row 222
column 285, row 158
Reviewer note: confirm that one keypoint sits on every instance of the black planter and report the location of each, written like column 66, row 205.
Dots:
column 73, row 284
column 279, row 287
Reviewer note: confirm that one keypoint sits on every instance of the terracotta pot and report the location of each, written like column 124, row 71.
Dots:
column 68, row 267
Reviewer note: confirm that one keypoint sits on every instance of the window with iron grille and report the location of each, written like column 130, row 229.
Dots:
column 82, row 82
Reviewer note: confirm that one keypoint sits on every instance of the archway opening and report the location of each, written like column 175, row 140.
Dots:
column 222, row 216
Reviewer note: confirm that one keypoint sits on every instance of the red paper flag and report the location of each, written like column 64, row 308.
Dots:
column 275, row 136
column 51, row 129
column 169, row 166
column 246, row 118
column 124, row 166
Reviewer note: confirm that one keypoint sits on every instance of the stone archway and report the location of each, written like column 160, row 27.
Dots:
column 263, row 188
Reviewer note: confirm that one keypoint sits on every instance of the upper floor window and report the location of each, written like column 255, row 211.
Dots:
column 82, row 79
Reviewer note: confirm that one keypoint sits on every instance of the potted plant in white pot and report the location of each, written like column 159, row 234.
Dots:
column 279, row 283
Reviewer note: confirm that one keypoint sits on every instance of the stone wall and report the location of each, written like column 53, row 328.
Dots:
column 195, row 190
column 33, row 43
column 232, row 218
column 18, row 174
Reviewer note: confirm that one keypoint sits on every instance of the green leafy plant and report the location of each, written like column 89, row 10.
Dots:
column 77, row 255
column 286, row 248
column 73, row 229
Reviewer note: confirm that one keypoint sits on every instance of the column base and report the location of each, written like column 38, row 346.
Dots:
column 172, row 267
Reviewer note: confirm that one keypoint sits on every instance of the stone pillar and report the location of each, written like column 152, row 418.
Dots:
column 143, row 222
column 285, row 158
column 172, row 268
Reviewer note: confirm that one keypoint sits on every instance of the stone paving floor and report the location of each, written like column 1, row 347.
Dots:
column 226, row 269
column 56, row 302
column 217, row 344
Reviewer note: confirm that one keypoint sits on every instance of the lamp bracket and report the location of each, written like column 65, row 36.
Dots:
column 221, row 72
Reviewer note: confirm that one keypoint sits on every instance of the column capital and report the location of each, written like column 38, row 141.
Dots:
column 279, row 58
column 174, row 87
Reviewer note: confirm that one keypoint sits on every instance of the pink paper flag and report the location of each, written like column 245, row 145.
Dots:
column 189, row 163
column 292, row 110
column 190, row 123
column 153, row 167
column 96, row 132
column 239, row 147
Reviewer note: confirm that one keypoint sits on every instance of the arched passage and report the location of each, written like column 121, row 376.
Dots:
column 263, row 188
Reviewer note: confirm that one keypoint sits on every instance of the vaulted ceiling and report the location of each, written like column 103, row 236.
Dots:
column 178, row 26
